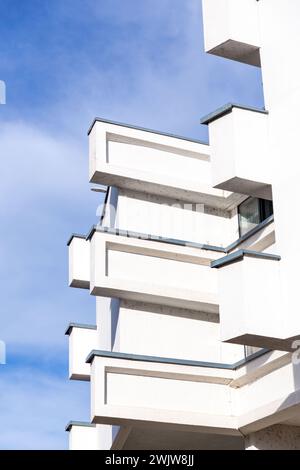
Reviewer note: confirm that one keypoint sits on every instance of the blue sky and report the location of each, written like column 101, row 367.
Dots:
column 65, row 62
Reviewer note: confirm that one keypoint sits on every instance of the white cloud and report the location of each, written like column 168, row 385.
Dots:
column 44, row 197
column 36, row 165
column 36, row 406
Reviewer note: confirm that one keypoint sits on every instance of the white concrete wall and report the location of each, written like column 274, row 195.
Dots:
column 110, row 207
column 231, row 21
column 281, row 78
column 273, row 397
column 139, row 157
column 177, row 219
column 158, row 271
column 107, row 314
column 155, row 330
column 163, row 394
column 273, row 388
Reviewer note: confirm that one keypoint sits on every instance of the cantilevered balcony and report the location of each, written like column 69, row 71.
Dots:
column 145, row 270
column 149, row 271
column 128, row 390
column 251, row 301
column 81, row 339
column 167, row 395
column 240, row 157
column 153, row 163
column 231, row 29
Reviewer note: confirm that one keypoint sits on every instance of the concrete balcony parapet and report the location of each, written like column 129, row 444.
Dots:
column 153, row 272
column 81, row 339
column 150, row 162
column 82, row 436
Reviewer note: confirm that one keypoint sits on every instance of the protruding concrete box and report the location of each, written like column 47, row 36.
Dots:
column 231, row 29
column 240, row 156
column 87, row 436
column 83, row 436
column 251, row 299
column 79, row 262
column 82, row 338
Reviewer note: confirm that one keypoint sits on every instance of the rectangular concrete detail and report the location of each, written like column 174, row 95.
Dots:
column 240, row 156
column 81, row 340
column 151, row 163
column 85, row 436
column 231, row 29
column 157, row 273
column 79, row 263
column 250, row 300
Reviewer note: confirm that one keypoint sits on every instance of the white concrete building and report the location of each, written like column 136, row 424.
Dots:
column 193, row 263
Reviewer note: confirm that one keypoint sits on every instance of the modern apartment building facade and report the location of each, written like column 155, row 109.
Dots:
column 193, row 263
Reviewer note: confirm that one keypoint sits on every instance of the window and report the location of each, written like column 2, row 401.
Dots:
column 252, row 212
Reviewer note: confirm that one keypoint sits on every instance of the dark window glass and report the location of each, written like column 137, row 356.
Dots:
column 266, row 209
column 252, row 212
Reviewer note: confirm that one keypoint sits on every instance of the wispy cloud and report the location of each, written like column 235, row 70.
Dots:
column 35, row 406
column 43, row 198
